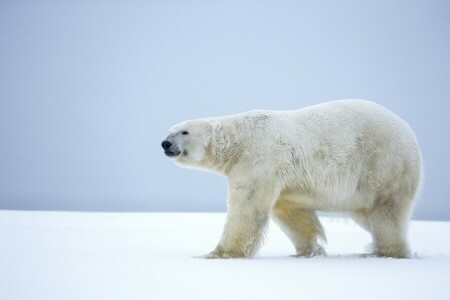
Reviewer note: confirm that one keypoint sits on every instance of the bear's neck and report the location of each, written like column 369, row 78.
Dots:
column 223, row 151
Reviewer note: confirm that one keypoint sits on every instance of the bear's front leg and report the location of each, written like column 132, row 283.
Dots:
column 247, row 219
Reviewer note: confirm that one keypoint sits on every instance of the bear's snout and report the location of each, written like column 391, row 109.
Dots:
column 170, row 149
column 166, row 144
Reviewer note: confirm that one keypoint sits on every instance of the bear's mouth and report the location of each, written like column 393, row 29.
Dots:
column 171, row 153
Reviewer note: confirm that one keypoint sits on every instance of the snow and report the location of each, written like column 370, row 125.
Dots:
column 62, row 255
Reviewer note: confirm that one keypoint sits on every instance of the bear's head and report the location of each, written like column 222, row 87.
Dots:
column 187, row 143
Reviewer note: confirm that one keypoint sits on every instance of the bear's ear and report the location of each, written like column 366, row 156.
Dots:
column 216, row 126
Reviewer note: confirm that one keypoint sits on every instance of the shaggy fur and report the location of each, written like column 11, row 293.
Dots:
column 350, row 156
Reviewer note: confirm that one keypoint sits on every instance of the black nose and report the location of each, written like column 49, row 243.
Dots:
column 166, row 145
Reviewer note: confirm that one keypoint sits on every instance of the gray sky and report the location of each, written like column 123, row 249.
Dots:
column 89, row 89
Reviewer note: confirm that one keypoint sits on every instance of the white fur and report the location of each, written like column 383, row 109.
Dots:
column 350, row 156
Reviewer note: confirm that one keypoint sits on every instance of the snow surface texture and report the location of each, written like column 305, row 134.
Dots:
column 58, row 255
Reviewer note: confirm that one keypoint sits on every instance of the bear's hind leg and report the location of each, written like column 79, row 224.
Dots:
column 301, row 226
column 388, row 226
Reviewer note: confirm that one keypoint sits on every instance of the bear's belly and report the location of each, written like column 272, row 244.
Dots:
column 332, row 202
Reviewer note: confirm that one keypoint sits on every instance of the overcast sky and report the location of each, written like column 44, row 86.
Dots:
column 89, row 89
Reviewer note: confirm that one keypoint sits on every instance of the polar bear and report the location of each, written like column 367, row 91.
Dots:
column 351, row 156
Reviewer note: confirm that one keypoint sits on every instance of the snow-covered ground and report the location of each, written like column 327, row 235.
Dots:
column 59, row 255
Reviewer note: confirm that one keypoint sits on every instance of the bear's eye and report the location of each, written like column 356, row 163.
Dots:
column 185, row 132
